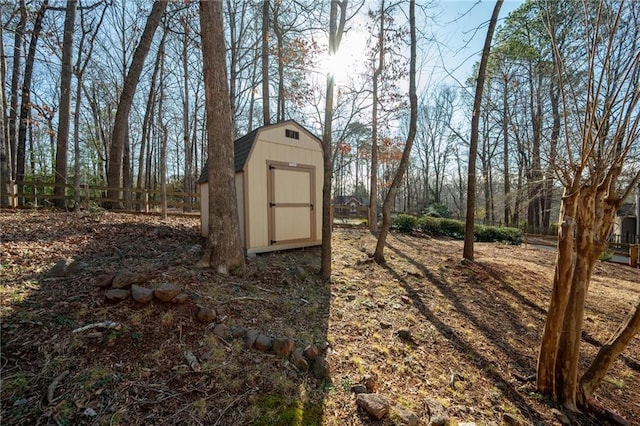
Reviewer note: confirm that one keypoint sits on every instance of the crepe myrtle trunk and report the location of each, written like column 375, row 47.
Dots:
column 223, row 250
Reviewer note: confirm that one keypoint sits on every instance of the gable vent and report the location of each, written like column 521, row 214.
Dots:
column 292, row 134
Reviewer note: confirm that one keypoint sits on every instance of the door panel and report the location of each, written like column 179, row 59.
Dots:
column 291, row 203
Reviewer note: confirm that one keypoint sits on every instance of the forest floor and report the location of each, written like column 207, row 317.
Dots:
column 474, row 328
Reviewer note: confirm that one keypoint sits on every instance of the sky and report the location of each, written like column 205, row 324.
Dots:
column 457, row 27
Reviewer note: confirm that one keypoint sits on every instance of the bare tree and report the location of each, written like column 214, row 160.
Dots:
column 224, row 250
column 121, row 121
column 473, row 146
column 25, row 106
column 337, row 20
column 602, row 127
column 62, row 145
column 404, row 161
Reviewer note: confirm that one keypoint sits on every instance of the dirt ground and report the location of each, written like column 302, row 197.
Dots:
column 475, row 328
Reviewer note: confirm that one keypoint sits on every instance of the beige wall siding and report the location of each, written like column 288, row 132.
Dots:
column 240, row 198
column 204, row 209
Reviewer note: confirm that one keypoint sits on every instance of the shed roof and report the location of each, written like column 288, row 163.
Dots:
column 242, row 147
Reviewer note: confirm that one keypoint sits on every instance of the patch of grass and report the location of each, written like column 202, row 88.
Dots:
column 15, row 385
column 167, row 319
column 62, row 321
column 618, row 383
column 278, row 410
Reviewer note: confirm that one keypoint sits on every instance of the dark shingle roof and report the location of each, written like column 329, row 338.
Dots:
column 242, row 147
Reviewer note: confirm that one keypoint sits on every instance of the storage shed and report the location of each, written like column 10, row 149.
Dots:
column 279, row 173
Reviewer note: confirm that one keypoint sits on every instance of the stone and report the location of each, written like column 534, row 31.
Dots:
column 237, row 332
column 126, row 279
column 385, row 325
column 562, row 417
column 141, row 294
column 59, row 269
column 222, row 331
column 358, row 389
column 117, row 294
column 374, row 404
column 283, row 347
column 298, row 359
column 512, row 420
column 371, row 383
column 180, row 298
column 166, row 292
column 104, row 280
column 405, row 334
column 320, row 368
column 438, row 415
column 263, row 343
column 403, row 416
column 466, row 424
column 205, row 314
column 250, row 337
column 311, row 352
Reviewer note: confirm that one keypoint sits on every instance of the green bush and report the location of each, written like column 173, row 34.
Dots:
column 429, row 225
column 490, row 234
column 452, row 228
column 405, row 222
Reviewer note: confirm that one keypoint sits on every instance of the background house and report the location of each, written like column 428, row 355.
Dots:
column 279, row 174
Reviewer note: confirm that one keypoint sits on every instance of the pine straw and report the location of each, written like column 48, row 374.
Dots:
column 475, row 328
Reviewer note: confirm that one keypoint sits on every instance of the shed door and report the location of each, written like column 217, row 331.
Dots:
column 291, row 203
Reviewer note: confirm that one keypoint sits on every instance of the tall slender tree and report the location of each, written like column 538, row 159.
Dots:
column 64, row 116
column 121, row 121
column 337, row 20
column 473, row 147
column 404, row 161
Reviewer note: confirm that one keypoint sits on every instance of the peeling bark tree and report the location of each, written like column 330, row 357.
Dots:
column 223, row 251
column 605, row 127
column 404, row 161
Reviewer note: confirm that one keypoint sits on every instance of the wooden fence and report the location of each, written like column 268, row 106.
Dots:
column 36, row 194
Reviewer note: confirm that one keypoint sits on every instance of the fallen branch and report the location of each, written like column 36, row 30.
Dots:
column 104, row 324
column 52, row 387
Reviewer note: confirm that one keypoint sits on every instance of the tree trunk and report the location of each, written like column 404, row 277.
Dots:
column 265, row 63
column 596, row 372
column 373, row 185
column 467, row 252
column 12, row 121
column 224, row 249
column 25, row 107
column 406, row 153
column 186, row 114
column 336, row 29
column 64, row 116
column 563, row 275
column 505, row 152
column 121, row 121
column 5, row 149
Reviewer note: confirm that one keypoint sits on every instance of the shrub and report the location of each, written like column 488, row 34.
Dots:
column 405, row 222
column 452, row 228
column 490, row 234
column 429, row 225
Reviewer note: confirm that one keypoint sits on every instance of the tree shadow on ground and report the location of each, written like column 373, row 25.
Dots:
column 138, row 372
column 491, row 333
